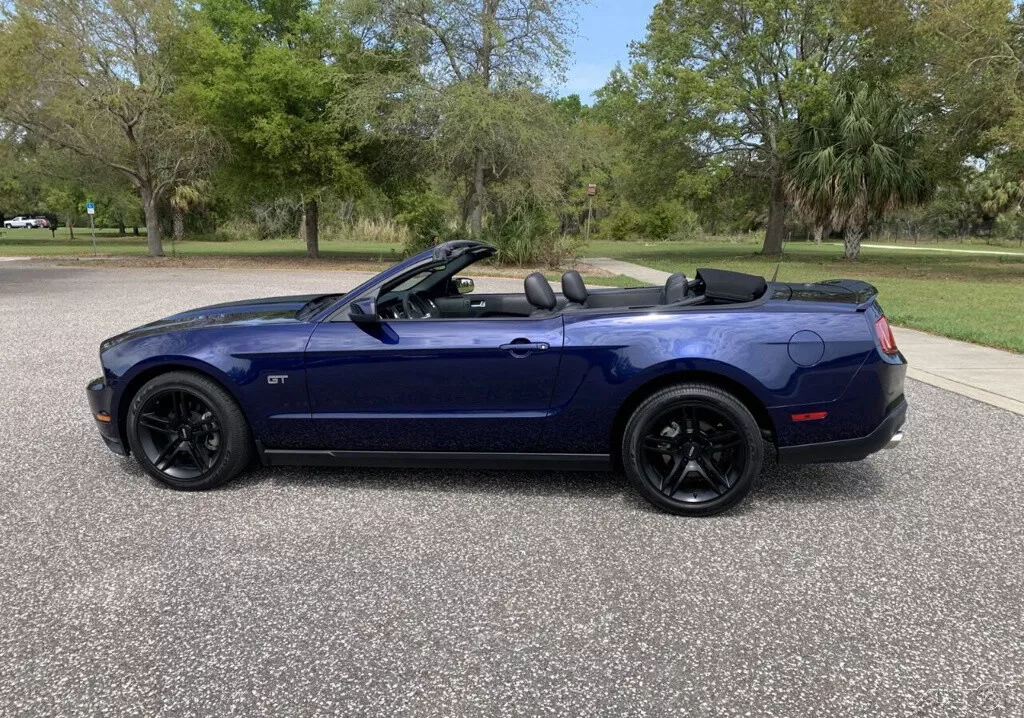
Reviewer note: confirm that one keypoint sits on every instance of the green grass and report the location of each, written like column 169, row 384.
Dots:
column 36, row 243
column 976, row 298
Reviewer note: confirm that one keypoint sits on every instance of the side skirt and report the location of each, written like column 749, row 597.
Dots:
column 436, row 460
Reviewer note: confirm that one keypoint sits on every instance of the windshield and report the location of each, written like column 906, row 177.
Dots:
column 413, row 281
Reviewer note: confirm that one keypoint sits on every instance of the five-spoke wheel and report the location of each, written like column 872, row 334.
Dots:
column 692, row 449
column 187, row 431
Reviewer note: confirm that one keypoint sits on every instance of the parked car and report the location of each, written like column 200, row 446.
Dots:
column 25, row 222
column 682, row 386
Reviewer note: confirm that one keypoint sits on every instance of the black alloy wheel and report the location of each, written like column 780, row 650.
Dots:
column 693, row 449
column 179, row 434
column 188, row 432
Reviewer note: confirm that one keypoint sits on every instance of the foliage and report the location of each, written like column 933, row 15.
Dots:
column 856, row 161
column 663, row 222
column 522, row 238
column 475, row 96
column 92, row 76
column 426, row 213
column 410, row 122
column 728, row 80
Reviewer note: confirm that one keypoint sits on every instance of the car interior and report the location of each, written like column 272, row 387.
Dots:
column 434, row 291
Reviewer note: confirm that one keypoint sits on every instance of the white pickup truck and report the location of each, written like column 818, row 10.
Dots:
column 30, row 222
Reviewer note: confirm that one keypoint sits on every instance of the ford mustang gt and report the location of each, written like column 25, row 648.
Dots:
column 684, row 387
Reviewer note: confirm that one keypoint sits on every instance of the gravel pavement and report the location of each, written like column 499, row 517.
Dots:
column 890, row 587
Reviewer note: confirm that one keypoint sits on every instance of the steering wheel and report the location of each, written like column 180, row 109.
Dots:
column 417, row 307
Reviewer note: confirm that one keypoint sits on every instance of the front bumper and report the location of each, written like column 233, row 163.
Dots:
column 887, row 435
column 100, row 400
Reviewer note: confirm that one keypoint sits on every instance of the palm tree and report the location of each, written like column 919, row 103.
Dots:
column 995, row 193
column 857, row 163
column 807, row 185
column 185, row 197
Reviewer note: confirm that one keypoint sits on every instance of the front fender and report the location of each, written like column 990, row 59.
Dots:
column 262, row 368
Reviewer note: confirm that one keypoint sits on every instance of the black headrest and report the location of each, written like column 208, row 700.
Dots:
column 539, row 292
column 676, row 289
column 573, row 287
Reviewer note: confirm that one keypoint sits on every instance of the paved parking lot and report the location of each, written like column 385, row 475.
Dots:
column 891, row 587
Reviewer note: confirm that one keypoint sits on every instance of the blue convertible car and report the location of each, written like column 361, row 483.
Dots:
column 684, row 387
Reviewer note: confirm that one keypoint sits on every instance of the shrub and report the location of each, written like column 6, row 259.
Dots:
column 563, row 251
column 523, row 238
column 665, row 221
column 426, row 215
column 669, row 221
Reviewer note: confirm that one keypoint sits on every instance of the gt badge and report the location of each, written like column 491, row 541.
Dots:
column 277, row 379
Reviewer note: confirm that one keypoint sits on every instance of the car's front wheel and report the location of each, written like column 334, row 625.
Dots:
column 188, row 432
column 692, row 449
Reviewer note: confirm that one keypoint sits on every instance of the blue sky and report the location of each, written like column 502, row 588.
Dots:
column 605, row 30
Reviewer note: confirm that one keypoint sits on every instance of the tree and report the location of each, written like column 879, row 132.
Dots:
column 183, row 198
column 733, row 75
column 859, row 159
column 269, row 77
column 65, row 201
column 92, row 76
column 476, row 97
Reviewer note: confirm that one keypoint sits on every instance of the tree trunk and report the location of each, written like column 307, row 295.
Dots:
column 819, row 233
column 776, row 218
column 312, row 229
column 121, row 229
column 302, row 225
column 477, row 225
column 851, row 242
column 135, row 231
column 179, row 224
column 149, row 206
column 71, row 228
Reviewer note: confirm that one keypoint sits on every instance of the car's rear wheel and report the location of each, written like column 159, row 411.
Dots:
column 188, row 432
column 692, row 449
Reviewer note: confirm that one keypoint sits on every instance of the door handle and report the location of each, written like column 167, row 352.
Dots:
column 477, row 304
column 523, row 348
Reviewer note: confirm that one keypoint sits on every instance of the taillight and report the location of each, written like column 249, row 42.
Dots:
column 886, row 340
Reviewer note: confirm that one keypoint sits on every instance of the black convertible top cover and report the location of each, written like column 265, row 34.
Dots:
column 732, row 286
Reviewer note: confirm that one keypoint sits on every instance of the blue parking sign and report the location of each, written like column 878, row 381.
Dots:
column 90, row 207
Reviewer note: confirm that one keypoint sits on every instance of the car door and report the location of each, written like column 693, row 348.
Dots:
column 462, row 385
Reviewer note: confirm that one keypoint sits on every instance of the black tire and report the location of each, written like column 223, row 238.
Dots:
column 213, row 439
column 692, row 449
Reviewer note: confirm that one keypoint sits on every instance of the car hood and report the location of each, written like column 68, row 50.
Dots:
column 250, row 312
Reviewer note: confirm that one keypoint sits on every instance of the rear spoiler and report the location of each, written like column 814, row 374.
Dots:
column 864, row 294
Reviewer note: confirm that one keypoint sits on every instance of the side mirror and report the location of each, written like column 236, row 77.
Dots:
column 364, row 311
column 463, row 285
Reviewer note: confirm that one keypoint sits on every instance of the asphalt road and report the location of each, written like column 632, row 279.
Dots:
column 890, row 587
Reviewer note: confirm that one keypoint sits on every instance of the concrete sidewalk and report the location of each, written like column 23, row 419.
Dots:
column 628, row 269
column 992, row 376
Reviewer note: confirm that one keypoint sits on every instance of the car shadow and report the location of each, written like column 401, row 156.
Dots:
column 827, row 483
column 816, row 483
column 476, row 481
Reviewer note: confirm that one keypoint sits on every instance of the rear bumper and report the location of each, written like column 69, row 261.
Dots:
column 100, row 400
column 888, row 434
